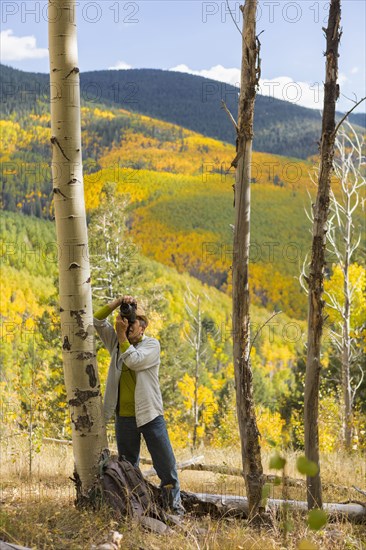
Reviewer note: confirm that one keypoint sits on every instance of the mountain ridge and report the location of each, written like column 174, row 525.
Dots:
column 191, row 101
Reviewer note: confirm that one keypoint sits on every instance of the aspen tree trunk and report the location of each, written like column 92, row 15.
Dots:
column 315, row 312
column 79, row 356
column 249, row 434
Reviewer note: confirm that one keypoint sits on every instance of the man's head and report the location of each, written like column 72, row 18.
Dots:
column 136, row 330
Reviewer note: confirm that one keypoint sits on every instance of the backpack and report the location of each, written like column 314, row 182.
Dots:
column 125, row 489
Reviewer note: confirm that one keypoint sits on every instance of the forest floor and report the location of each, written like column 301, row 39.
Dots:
column 38, row 511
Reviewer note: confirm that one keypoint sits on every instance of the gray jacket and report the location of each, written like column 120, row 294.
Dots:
column 144, row 360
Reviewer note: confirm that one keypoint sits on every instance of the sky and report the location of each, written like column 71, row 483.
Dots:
column 200, row 37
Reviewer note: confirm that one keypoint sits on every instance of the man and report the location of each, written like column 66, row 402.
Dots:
column 133, row 394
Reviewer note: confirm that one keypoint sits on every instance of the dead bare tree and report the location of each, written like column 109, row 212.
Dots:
column 194, row 338
column 316, row 272
column 344, row 239
column 249, row 434
column 111, row 252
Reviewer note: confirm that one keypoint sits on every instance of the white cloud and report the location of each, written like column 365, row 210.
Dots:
column 354, row 70
column 120, row 66
column 218, row 72
column 305, row 94
column 17, row 48
column 342, row 78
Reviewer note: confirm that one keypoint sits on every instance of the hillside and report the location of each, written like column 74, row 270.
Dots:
column 189, row 101
column 180, row 191
column 179, row 187
column 29, row 316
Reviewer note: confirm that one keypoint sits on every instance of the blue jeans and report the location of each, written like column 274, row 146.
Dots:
column 128, row 437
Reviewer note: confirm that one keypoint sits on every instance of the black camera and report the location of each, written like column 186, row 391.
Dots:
column 128, row 311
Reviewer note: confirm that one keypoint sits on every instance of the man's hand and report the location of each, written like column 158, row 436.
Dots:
column 127, row 299
column 121, row 328
column 118, row 301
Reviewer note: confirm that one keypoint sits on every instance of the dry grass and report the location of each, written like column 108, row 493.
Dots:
column 39, row 512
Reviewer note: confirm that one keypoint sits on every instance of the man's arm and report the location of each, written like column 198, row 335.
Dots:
column 144, row 357
column 104, row 328
column 106, row 310
column 121, row 331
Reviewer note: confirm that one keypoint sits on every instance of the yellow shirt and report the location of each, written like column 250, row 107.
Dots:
column 127, row 385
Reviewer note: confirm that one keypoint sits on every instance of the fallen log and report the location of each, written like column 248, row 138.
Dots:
column 180, row 466
column 270, row 478
column 129, row 501
column 233, row 505
column 145, row 460
column 9, row 546
column 59, row 441
column 195, row 463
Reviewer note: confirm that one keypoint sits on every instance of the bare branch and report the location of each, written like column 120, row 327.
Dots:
column 260, row 328
column 359, row 490
column 333, row 302
column 359, row 383
column 232, row 119
column 347, row 114
column 303, row 278
column 232, row 17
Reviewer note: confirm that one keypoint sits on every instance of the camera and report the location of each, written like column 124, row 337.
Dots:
column 128, row 311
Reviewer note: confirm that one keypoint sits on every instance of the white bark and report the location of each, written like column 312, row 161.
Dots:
column 79, row 356
column 343, row 241
column 238, row 505
column 194, row 338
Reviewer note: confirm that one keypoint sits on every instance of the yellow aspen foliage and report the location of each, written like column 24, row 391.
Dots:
column 270, row 424
column 183, row 420
column 103, row 114
column 23, row 297
column 168, row 171
column 15, row 138
column 103, row 360
column 216, row 384
column 205, row 396
column 330, row 422
column 271, row 427
column 180, row 433
column 43, row 120
column 334, row 286
column 11, row 135
column 38, row 135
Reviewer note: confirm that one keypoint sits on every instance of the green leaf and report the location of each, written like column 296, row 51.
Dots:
column 317, row 519
column 271, row 442
column 307, row 467
column 288, row 526
column 266, row 491
column 277, row 462
column 277, row 481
